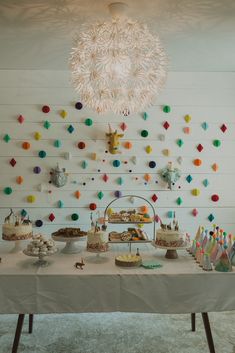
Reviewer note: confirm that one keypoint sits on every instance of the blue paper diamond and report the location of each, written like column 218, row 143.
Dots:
column 70, row 129
column 205, row 126
column 205, row 182
column 189, row 178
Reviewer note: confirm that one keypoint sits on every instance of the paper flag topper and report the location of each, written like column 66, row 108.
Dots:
column 77, row 194
column 148, row 149
column 63, row 114
column 195, row 212
column 187, row 118
column 51, row 217
column 19, row 180
column 154, row 197
column 105, row 177
column 20, row 119
column 195, row 192
column 123, row 126
column 37, row 136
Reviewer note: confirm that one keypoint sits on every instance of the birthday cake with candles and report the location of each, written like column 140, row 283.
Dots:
column 170, row 236
column 16, row 228
column 97, row 239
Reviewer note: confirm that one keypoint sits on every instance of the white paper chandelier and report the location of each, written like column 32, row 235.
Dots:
column 118, row 65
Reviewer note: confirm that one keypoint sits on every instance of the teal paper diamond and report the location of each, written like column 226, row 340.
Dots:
column 100, row 195
column 205, row 182
column 145, row 116
column 47, row 124
column 70, row 129
column 205, row 125
column 6, row 138
column 189, row 178
column 211, row 217
column 180, row 142
column 179, row 201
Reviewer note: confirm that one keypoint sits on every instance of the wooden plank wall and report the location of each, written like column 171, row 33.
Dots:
column 206, row 97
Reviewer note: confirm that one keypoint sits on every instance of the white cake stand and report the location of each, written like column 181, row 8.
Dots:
column 40, row 262
column 18, row 245
column 171, row 252
column 70, row 246
column 98, row 258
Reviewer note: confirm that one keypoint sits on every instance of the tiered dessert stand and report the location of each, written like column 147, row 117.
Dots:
column 130, row 242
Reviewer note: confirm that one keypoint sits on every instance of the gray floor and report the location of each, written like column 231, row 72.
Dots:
column 119, row 333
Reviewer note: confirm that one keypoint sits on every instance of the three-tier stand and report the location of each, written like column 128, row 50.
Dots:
column 130, row 242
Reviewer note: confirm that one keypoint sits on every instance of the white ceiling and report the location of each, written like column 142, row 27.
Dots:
column 199, row 35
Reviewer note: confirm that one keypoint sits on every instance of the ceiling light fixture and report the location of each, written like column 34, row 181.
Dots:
column 118, row 65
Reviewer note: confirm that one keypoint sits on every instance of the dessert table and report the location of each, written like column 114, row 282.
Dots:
column 179, row 286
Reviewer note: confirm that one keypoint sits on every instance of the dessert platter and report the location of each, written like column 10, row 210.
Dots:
column 17, row 229
column 40, row 247
column 129, row 216
column 132, row 234
column 171, row 238
column 70, row 236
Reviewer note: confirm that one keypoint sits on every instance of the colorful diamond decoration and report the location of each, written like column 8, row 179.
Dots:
column 120, row 181
column 6, row 138
column 166, row 125
column 57, row 143
column 223, row 128
column 195, row 212
column 154, row 197
column 215, row 167
column 179, row 201
column 100, row 195
column 60, row 204
column 105, row 178
column 211, row 217
column 145, row 116
column 166, row 109
column 12, row 162
column 47, row 124
column 187, row 118
column 70, row 129
column 51, row 217
column 180, row 142
column 20, row 119
column 23, row 213
column 199, row 147
column 205, row 182
column 84, row 164
column 189, row 178
column 186, row 130
column 205, row 126
column 123, row 126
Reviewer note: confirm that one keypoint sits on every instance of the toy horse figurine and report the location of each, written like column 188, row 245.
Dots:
column 113, row 140
column 8, row 218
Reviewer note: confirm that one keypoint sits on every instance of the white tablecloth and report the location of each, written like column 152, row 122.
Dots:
column 180, row 286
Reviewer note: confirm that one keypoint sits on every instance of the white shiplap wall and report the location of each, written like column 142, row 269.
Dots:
column 207, row 97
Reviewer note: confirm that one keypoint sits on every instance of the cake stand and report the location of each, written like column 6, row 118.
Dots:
column 171, row 252
column 70, row 246
column 41, row 262
column 17, row 245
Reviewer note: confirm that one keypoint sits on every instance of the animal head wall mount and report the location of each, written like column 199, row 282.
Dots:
column 170, row 175
column 113, row 140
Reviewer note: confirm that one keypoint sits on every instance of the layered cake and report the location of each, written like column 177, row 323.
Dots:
column 16, row 228
column 97, row 240
column 129, row 216
column 69, row 233
column 169, row 236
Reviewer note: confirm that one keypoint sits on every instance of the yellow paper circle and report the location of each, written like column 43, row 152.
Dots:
column 31, row 198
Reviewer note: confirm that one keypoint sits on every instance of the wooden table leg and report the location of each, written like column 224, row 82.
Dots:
column 30, row 323
column 209, row 337
column 193, row 321
column 18, row 333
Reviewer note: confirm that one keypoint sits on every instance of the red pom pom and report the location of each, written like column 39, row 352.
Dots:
column 81, row 145
column 215, row 198
column 92, row 206
column 45, row 109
